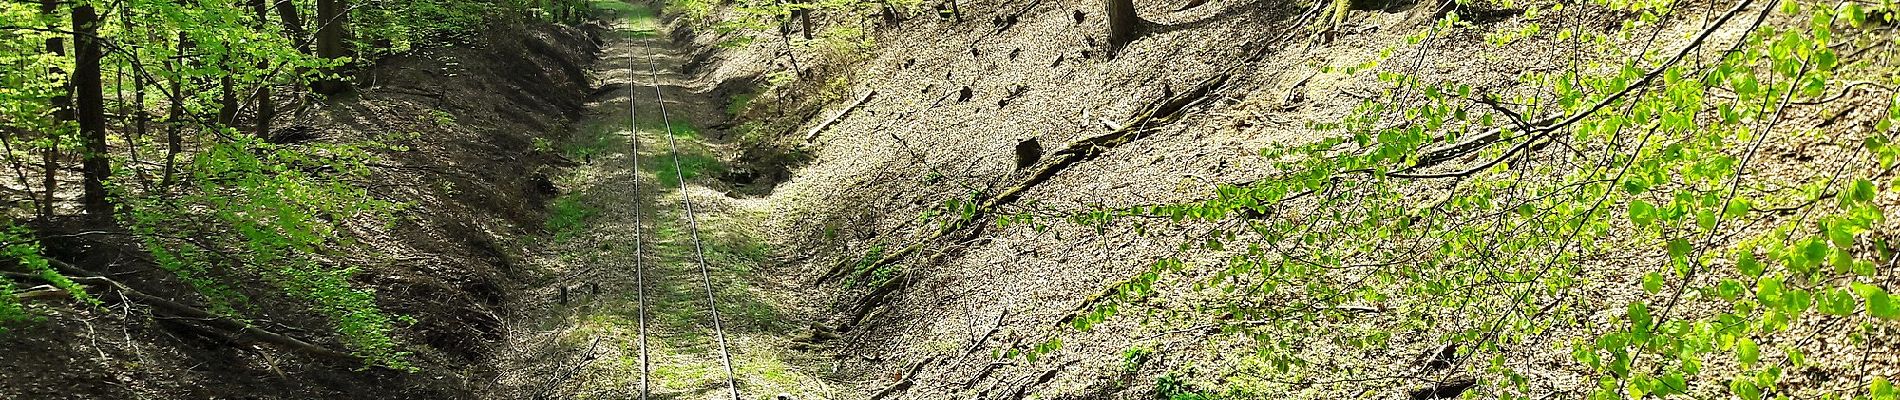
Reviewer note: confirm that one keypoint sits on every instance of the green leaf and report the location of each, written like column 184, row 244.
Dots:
column 1746, row 262
column 1768, row 290
column 1635, row 185
column 1652, row 282
column 1738, row 208
column 1672, row 383
column 1796, row 301
column 1729, row 289
column 1679, row 250
column 1812, row 252
column 1841, row 235
column 1642, row 213
column 1879, row 304
column 1855, row 16
column 1744, row 388
column 1747, row 351
column 1836, row 301
column 1861, row 191
column 1640, row 320
column 1842, row 260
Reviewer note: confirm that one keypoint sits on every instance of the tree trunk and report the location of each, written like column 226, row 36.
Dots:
column 139, row 119
column 265, row 108
column 1122, row 23
column 332, row 17
column 293, row 24
column 88, row 91
column 227, row 101
column 804, row 20
column 62, row 112
column 175, row 117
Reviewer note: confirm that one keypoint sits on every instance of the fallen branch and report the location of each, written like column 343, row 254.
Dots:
column 42, row 292
column 910, row 379
column 1005, row 22
column 985, row 373
column 1159, row 112
column 813, row 133
column 978, row 344
column 219, row 322
column 876, row 297
column 1042, row 379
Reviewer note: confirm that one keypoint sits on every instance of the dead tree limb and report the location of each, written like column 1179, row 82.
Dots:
column 1157, row 113
column 219, row 322
column 910, row 379
column 813, row 133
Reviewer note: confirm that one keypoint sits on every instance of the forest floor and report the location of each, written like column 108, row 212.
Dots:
column 620, row 221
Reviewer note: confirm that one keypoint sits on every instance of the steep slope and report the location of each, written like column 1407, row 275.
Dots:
column 960, row 269
column 459, row 126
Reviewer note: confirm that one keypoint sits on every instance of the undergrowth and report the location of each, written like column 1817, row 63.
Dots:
column 282, row 207
column 20, row 248
column 690, row 166
column 568, row 216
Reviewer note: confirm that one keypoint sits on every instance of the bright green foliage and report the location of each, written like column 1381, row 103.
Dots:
column 19, row 248
column 568, row 217
column 282, row 206
column 1170, row 387
column 12, row 313
column 875, row 275
column 1644, row 162
column 226, row 206
column 25, row 74
column 691, row 166
column 755, row 20
column 1136, row 357
column 392, row 28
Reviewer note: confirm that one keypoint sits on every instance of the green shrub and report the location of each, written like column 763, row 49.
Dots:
column 12, row 313
column 276, row 207
column 1171, row 387
column 19, row 246
column 402, row 26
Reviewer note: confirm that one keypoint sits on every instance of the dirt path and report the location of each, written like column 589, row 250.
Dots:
column 604, row 230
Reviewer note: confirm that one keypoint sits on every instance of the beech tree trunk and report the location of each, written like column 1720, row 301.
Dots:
column 88, row 91
column 62, row 112
column 265, row 109
column 332, row 17
column 1122, row 23
column 175, row 119
column 227, row 101
column 293, row 24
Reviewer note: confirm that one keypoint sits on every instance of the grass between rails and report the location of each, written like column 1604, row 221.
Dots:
column 695, row 159
column 682, row 345
column 595, row 229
